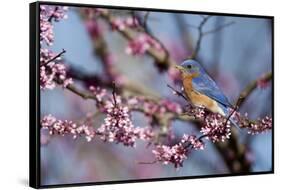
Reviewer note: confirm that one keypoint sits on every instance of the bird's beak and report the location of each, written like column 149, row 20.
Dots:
column 180, row 68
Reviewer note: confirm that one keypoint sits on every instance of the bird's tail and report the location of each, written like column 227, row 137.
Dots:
column 234, row 123
column 229, row 117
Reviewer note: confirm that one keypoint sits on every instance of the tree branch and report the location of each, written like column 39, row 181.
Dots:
column 201, row 33
column 162, row 59
column 77, row 91
column 251, row 87
column 218, row 28
column 178, row 93
column 54, row 58
column 200, row 37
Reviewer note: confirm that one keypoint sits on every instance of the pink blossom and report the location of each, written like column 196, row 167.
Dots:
column 177, row 153
column 117, row 128
column 52, row 70
column 145, row 133
column 67, row 81
column 131, row 22
column 93, row 28
column 260, row 126
column 197, row 144
column 99, row 93
column 51, row 67
column 254, row 127
column 171, row 106
column 141, row 44
column 198, row 112
column 174, row 74
column 151, row 107
column 174, row 155
column 216, row 128
column 47, row 13
column 92, row 12
column 64, row 127
column 121, row 23
column 46, row 32
column 118, row 24
column 117, row 125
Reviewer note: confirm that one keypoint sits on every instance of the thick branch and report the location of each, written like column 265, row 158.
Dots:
column 77, row 91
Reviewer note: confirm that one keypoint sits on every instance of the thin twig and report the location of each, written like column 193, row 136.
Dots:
column 75, row 90
column 200, row 36
column 145, row 20
column 114, row 94
column 53, row 58
column 151, row 162
column 218, row 28
column 53, row 14
column 178, row 93
column 201, row 33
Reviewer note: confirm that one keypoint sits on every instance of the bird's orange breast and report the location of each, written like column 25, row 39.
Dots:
column 197, row 98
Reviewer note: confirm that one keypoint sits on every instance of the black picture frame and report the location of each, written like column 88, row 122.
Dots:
column 34, row 94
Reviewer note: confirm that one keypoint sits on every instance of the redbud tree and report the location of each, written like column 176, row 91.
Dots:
column 117, row 98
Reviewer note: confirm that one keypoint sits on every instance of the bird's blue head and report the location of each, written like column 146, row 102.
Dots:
column 189, row 67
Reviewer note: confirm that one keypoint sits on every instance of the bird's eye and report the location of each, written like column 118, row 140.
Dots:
column 189, row 66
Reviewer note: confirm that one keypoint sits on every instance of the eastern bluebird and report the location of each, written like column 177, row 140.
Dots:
column 201, row 89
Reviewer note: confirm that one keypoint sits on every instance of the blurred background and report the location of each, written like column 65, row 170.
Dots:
column 234, row 56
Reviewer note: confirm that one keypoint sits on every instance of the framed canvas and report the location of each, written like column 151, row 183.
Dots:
column 121, row 94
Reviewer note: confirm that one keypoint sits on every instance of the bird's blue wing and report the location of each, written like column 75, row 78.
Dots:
column 207, row 86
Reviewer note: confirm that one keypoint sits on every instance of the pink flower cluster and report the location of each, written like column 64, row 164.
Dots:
column 177, row 153
column 51, row 66
column 47, row 14
column 151, row 107
column 195, row 143
column 118, row 126
column 124, row 133
column 93, row 28
column 141, row 44
column 174, row 75
column 92, row 12
column 46, row 32
column 123, row 23
column 64, row 127
column 216, row 127
column 260, row 126
column 53, row 12
column 99, row 93
column 170, row 106
column 53, row 69
column 197, row 112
